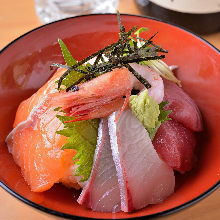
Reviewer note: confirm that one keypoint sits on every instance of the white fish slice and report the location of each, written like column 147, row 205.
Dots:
column 143, row 177
column 157, row 88
column 101, row 192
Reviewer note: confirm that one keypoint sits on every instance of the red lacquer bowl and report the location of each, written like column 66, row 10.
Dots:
column 24, row 67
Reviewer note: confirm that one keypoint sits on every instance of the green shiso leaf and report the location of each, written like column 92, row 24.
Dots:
column 73, row 75
column 66, row 54
column 163, row 116
column 57, row 109
column 82, row 136
column 148, row 112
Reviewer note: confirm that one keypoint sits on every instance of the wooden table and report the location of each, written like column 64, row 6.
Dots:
column 18, row 17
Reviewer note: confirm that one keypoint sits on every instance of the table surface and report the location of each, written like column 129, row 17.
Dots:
column 18, row 17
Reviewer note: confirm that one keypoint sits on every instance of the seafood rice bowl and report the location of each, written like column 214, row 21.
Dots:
column 118, row 127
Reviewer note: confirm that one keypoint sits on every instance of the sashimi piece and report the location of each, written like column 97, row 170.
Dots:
column 34, row 144
column 143, row 177
column 157, row 88
column 175, row 144
column 184, row 109
column 101, row 192
column 36, row 148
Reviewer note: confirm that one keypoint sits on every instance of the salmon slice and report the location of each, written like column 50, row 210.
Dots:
column 143, row 177
column 175, row 144
column 34, row 144
column 102, row 191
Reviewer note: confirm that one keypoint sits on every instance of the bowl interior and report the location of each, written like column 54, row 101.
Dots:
column 25, row 67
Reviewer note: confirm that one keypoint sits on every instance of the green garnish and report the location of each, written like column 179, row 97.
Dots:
column 70, row 75
column 82, row 136
column 148, row 112
column 57, row 109
column 163, row 116
column 70, row 61
column 119, row 54
column 140, row 30
column 145, row 108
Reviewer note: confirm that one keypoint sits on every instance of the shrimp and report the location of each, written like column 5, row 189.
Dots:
column 103, row 95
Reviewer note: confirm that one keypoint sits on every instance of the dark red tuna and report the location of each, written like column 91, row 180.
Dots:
column 175, row 144
column 184, row 109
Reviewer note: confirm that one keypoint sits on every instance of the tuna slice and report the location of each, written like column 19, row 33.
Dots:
column 102, row 191
column 143, row 177
column 157, row 88
column 184, row 109
column 175, row 144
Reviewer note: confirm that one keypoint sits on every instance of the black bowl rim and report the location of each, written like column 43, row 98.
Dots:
column 69, row 216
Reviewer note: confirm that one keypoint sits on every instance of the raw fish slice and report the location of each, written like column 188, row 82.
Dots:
column 184, row 109
column 34, row 144
column 175, row 144
column 157, row 88
column 143, row 177
column 102, row 191
column 36, row 148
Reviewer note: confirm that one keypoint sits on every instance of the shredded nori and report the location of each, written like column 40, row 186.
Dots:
column 119, row 54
